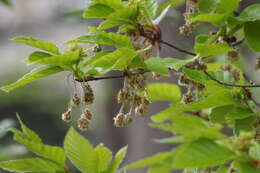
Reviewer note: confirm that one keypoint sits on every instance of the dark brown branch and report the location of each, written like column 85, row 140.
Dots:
column 177, row 48
column 91, row 78
column 228, row 84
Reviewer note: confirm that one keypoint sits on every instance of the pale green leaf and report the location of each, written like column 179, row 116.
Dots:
column 35, row 74
column 171, row 3
column 157, row 65
column 59, row 60
column 34, row 42
column 149, row 8
column 97, row 11
column 150, row 161
column 206, row 6
column 99, row 159
column 251, row 30
column 254, row 151
column 160, row 168
column 37, row 55
column 119, row 157
column 215, row 19
column 78, row 150
column 210, row 101
column 227, row 7
column 115, row 4
column 202, row 153
column 164, row 91
column 212, row 49
column 31, row 165
column 177, row 64
column 251, row 13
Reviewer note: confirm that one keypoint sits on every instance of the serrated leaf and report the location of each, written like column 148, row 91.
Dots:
column 97, row 11
column 31, row 165
column 157, row 65
column 32, row 141
column 116, row 4
column 212, row 49
column 251, row 13
column 161, row 16
column 202, row 153
column 230, row 112
column 78, row 150
column 88, row 60
column 251, row 30
column 215, row 19
column 194, row 127
column 59, row 60
column 120, row 155
column 177, row 64
column 149, row 8
column 37, row 73
column 105, row 38
column 37, row 55
column 116, row 60
column 210, row 101
column 164, row 91
column 99, row 159
column 150, row 161
column 34, row 42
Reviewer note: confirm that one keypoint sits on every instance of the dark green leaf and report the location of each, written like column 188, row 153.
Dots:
column 251, row 13
column 157, row 65
column 251, row 30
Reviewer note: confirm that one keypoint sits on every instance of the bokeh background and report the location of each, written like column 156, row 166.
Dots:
column 41, row 103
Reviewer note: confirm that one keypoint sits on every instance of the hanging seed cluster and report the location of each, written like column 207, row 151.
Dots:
column 191, row 85
column 85, row 118
column 131, row 96
column 234, row 72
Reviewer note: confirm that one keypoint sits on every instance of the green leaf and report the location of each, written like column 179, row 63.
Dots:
column 160, row 168
column 150, row 161
column 195, row 127
column 157, row 65
column 254, row 151
column 230, row 112
column 212, row 49
column 106, row 38
column 59, row 60
column 32, row 141
column 164, row 91
column 37, row 73
column 245, row 124
column 6, row 2
column 227, row 7
column 251, row 30
column 115, row 4
column 31, row 165
column 161, row 16
column 202, row 153
column 78, row 150
column 251, row 13
column 210, row 101
column 215, row 19
column 34, row 42
column 149, row 8
column 99, row 159
column 245, row 167
column 37, row 55
column 97, row 11
column 177, row 64
column 88, row 60
column 116, row 60
column 206, row 6
column 120, row 155
column 171, row 3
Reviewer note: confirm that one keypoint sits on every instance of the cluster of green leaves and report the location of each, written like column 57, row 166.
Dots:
column 50, row 159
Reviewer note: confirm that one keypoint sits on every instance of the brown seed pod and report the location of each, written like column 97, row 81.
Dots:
column 87, row 114
column 232, row 56
column 123, row 96
column 257, row 63
column 75, row 101
column 66, row 116
column 88, row 94
column 83, row 124
column 235, row 73
column 120, row 120
column 187, row 98
column 226, row 67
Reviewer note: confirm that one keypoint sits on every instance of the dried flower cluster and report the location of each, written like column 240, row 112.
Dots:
column 86, row 116
column 132, row 95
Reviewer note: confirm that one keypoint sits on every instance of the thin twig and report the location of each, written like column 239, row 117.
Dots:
column 91, row 78
column 177, row 48
column 228, row 84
